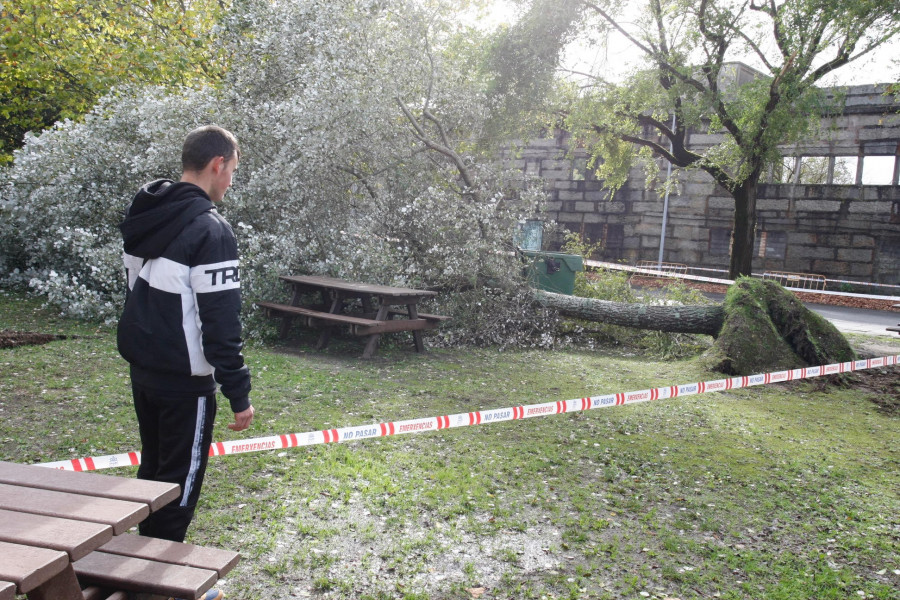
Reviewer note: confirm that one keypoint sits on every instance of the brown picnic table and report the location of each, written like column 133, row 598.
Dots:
column 368, row 310
column 63, row 536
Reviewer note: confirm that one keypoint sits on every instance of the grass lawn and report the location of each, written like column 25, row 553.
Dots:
column 787, row 491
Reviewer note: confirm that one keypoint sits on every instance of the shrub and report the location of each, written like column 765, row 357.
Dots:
column 321, row 95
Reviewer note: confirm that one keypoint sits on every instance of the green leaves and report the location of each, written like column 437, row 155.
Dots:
column 59, row 57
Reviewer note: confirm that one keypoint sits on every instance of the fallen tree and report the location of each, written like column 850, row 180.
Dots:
column 760, row 326
column 698, row 319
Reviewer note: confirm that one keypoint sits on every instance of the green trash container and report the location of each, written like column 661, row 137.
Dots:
column 553, row 271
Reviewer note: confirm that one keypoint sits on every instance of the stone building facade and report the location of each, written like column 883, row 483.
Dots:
column 832, row 209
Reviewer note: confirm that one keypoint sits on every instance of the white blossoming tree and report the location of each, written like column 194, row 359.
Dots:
column 359, row 122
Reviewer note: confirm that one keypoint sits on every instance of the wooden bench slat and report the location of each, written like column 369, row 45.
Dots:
column 394, row 326
column 355, row 287
column 360, row 326
column 426, row 316
column 139, row 575
column 7, row 591
column 154, row 493
column 316, row 314
column 28, row 567
column 220, row 561
column 119, row 514
column 75, row 538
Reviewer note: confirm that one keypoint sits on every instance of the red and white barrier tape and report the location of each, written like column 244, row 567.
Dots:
column 483, row 417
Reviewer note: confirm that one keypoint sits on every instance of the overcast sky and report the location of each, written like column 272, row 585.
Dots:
column 880, row 66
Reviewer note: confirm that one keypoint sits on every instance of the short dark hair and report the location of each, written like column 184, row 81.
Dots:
column 206, row 143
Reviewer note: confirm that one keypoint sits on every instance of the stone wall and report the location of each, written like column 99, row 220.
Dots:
column 847, row 231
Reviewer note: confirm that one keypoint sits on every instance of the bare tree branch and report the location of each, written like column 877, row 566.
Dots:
column 361, row 178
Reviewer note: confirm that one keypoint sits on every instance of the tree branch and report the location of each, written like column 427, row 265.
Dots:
column 362, row 178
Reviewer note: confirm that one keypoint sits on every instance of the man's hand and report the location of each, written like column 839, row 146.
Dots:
column 242, row 420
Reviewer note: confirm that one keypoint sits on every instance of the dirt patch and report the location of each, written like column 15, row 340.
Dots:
column 885, row 388
column 881, row 385
column 11, row 339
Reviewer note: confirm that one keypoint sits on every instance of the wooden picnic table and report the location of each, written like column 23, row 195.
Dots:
column 369, row 310
column 62, row 531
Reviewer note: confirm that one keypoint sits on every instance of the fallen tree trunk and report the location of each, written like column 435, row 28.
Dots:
column 700, row 319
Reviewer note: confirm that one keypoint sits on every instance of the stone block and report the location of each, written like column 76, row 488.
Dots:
column 550, row 164
column 582, row 206
column 687, row 256
column 831, row 267
column 768, row 264
column 855, row 255
column 830, row 206
column 871, row 208
column 649, row 241
column 685, row 233
column 797, row 265
column 719, row 203
column 705, row 139
column 683, row 246
column 552, row 206
column 771, row 205
column 562, row 184
column 834, row 239
column 569, row 217
column 644, row 208
column 531, row 153
column 692, row 188
column 644, row 228
column 596, row 195
column 810, row 252
column 686, row 204
column 861, row 269
column 569, row 195
column 863, row 241
column 556, row 174
column 594, row 218
column 543, row 143
column 607, row 207
column 801, row 239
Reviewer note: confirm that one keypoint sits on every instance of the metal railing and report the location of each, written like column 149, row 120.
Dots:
column 663, row 268
column 803, row 281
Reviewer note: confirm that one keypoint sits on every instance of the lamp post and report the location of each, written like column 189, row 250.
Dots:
column 665, row 215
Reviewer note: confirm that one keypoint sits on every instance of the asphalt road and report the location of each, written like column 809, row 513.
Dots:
column 850, row 320
column 859, row 320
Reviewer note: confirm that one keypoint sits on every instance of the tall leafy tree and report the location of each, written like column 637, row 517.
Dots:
column 361, row 125
column 683, row 83
column 57, row 57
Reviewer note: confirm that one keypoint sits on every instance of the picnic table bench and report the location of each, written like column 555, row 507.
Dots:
column 63, row 537
column 367, row 310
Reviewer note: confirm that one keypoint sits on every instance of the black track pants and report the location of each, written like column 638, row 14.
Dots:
column 176, row 433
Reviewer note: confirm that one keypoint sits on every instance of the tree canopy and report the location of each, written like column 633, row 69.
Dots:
column 57, row 57
column 684, row 80
column 361, row 125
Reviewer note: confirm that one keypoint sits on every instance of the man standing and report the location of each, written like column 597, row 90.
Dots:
column 180, row 328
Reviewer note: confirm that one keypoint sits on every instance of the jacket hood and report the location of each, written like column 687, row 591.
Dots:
column 158, row 213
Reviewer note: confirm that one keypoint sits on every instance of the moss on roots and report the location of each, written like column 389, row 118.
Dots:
column 766, row 328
